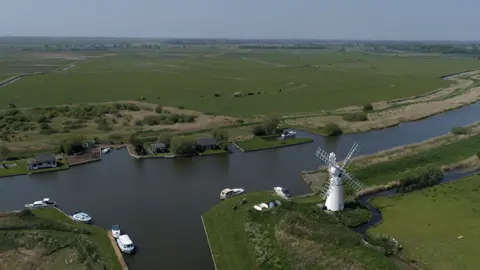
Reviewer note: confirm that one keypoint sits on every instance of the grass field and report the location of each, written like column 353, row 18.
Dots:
column 47, row 239
column 279, row 81
column 428, row 223
column 295, row 236
column 384, row 172
column 259, row 143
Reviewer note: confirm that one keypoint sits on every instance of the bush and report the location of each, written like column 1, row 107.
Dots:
column 259, row 130
column 182, row 145
column 368, row 107
column 152, row 120
column 216, row 95
column 158, row 109
column 43, row 119
column 221, row 135
column 419, row 178
column 332, row 129
column 138, row 123
column 72, row 145
column 132, row 107
column 165, row 138
column 459, row 130
column 137, row 144
column 355, row 117
column 271, row 123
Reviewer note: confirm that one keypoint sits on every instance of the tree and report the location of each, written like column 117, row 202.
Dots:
column 221, row 135
column 137, row 144
column 158, row 109
column 259, row 130
column 165, row 138
column 71, row 145
column 271, row 123
column 4, row 151
column 332, row 129
column 182, row 145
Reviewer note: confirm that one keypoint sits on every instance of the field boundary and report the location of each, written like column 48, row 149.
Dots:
column 208, row 241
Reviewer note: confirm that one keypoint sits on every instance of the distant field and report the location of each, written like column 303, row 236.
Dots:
column 12, row 63
column 428, row 223
column 283, row 81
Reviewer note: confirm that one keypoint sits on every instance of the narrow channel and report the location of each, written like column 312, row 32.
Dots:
column 158, row 202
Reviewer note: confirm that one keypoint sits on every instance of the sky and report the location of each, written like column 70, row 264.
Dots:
column 314, row 19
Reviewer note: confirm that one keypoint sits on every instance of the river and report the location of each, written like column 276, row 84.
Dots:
column 158, row 202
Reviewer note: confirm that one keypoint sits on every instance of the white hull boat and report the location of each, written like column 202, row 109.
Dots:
column 46, row 202
column 116, row 231
column 230, row 192
column 125, row 244
column 289, row 134
column 282, row 192
column 81, row 217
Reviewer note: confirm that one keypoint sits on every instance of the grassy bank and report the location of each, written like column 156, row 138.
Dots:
column 47, row 239
column 297, row 235
column 384, row 172
column 428, row 223
column 259, row 143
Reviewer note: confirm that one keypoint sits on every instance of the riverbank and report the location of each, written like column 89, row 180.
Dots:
column 382, row 170
column 441, row 236
column 263, row 143
column 244, row 238
column 46, row 238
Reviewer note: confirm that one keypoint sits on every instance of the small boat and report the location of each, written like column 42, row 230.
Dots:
column 257, row 207
column 271, row 205
column 288, row 134
column 283, row 192
column 46, row 202
column 125, row 244
column 81, row 217
column 105, row 150
column 264, row 205
column 278, row 202
column 230, row 192
column 116, row 231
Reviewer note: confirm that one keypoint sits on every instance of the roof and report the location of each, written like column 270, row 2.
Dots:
column 41, row 158
column 158, row 145
column 207, row 141
column 125, row 239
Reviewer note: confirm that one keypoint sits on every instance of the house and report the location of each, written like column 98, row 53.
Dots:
column 42, row 161
column 207, row 144
column 158, row 148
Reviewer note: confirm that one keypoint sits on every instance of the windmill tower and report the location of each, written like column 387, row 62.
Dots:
column 333, row 189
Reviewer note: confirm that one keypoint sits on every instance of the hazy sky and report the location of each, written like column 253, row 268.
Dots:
column 342, row 19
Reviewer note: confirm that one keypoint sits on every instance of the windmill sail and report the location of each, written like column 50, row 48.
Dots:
column 352, row 181
column 353, row 151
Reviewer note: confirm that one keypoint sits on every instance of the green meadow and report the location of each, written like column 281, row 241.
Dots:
column 429, row 223
column 205, row 79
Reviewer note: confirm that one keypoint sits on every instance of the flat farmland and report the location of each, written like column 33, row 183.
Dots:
column 203, row 79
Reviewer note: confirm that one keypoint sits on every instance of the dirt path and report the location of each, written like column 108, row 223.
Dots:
column 117, row 251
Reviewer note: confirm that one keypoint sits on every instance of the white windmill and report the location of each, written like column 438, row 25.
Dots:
column 333, row 190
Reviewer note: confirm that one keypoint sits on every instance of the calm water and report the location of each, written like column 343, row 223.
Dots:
column 158, row 202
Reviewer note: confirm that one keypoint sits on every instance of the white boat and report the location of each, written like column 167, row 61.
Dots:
column 125, row 244
column 230, row 192
column 288, row 134
column 257, row 207
column 264, row 205
column 105, row 150
column 81, row 217
column 116, row 231
column 283, row 192
column 46, row 202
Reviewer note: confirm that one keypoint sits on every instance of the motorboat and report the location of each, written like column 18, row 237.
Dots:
column 105, row 150
column 46, row 202
column 288, row 134
column 230, row 192
column 283, row 192
column 116, row 231
column 257, row 207
column 81, row 217
column 125, row 244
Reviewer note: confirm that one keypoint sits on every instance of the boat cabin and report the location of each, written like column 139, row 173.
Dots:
column 207, row 144
column 42, row 161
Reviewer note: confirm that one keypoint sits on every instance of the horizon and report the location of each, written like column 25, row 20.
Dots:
column 268, row 19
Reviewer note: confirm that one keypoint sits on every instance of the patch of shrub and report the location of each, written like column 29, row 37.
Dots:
column 158, row 109
column 259, row 130
column 181, row 107
column 355, row 117
column 459, row 130
column 419, row 178
column 138, row 123
column 183, row 145
column 332, row 129
column 152, row 120
column 133, row 107
column 368, row 107
column 216, row 95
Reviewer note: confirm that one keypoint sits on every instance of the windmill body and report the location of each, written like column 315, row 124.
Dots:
column 333, row 190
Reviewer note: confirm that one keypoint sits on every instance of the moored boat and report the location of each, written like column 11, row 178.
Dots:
column 81, row 217
column 283, row 192
column 230, row 192
column 46, row 202
column 116, row 231
column 125, row 244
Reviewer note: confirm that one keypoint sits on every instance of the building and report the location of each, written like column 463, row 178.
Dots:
column 42, row 161
column 159, row 148
column 207, row 144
